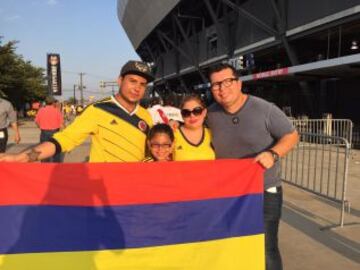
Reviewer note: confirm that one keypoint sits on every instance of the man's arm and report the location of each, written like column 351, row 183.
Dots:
column 12, row 118
column 282, row 147
column 37, row 153
column 15, row 127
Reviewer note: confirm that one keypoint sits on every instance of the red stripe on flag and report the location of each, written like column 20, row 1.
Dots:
column 96, row 184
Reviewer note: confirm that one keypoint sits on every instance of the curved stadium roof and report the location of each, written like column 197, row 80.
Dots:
column 139, row 17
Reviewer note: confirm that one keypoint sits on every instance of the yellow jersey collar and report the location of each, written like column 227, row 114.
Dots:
column 123, row 108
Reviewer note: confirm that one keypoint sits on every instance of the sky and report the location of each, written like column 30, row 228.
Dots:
column 86, row 33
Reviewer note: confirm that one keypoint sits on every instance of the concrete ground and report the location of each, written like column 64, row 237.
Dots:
column 309, row 236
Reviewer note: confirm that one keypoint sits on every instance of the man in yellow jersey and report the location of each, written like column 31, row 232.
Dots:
column 117, row 125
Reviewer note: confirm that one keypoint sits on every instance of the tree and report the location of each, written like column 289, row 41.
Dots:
column 71, row 100
column 20, row 81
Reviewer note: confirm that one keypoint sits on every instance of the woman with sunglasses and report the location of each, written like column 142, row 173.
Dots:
column 192, row 138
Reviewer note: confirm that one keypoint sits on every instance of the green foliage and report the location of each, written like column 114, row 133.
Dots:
column 20, row 81
column 71, row 100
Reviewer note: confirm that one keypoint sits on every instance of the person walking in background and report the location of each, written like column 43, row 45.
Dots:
column 79, row 109
column 67, row 111
column 7, row 117
column 73, row 111
column 193, row 139
column 167, row 114
column 50, row 120
column 156, row 112
column 117, row 125
column 245, row 126
column 160, row 142
column 170, row 111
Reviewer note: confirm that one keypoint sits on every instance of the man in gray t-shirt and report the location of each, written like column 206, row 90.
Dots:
column 253, row 129
column 245, row 126
column 7, row 116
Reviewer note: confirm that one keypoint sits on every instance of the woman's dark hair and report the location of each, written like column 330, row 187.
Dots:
column 192, row 97
column 161, row 128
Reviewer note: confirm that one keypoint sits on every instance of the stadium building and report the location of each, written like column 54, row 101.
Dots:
column 302, row 55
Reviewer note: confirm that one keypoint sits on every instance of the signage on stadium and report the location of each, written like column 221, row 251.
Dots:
column 54, row 74
column 271, row 73
column 237, row 62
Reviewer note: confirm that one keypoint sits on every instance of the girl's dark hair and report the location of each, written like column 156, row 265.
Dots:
column 192, row 97
column 161, row 128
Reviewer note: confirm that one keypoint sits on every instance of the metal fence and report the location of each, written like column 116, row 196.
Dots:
column 356, row 137
column 330, row 127
column 319, row 163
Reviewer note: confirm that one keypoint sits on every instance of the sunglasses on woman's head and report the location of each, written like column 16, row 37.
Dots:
column 196, row 111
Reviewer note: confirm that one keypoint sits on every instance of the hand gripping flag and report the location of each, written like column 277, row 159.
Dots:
column 175, row 215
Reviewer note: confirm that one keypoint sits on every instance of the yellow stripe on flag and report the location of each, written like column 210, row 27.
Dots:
column 226, row 254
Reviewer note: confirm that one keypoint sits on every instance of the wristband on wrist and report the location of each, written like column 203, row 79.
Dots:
column 275, row 155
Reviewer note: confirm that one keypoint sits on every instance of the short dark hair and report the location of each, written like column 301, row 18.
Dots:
column 161, row 128
column 220, row 67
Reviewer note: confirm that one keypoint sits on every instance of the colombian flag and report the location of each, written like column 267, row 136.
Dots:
column 175, row 215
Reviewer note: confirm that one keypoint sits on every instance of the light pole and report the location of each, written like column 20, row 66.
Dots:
column 75, row 86
column 81, row 88
column 104, row 84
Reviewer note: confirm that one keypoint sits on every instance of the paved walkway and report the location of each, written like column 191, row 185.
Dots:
column 309, row 238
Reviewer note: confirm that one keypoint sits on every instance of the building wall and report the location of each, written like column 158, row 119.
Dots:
column 303, row 12
column 244, row 33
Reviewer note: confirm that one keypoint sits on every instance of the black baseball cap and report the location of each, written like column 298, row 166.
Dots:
column 137, row 68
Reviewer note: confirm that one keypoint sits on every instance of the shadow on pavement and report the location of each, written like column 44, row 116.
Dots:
column 298, row 219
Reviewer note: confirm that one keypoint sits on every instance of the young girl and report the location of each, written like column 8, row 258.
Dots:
column 160, row 142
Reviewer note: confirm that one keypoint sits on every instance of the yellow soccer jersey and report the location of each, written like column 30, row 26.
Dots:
column 116, row 135
column 185, row 150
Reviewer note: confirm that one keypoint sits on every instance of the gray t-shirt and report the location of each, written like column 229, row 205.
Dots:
column 7, row 113
column 256, row 127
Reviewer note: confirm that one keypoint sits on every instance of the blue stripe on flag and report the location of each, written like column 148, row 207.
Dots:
column 26, row 229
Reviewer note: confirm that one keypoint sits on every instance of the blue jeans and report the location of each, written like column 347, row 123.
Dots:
column 45, row 135
column 272, row 214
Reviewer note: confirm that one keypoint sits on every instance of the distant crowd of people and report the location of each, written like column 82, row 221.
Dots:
column 50, row 116
column 69, row 110
column 236, row 126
